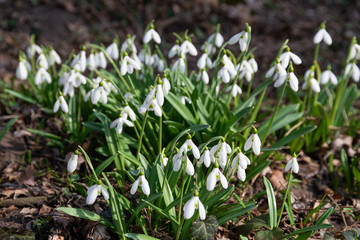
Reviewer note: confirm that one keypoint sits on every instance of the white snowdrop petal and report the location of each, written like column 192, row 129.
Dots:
column 241, row 174
column 202, row 211
column 295, row 165
column 189, row 208
column 294, row 82
column 288, row 165
column 156, row 37
column 159, row 95
column 280, row 81
column 295, row 58
column 256, row 144
column 223, row 180
column 319, row 36
column 270, row 72
column 145, row 186
column 211, row 180
column 333, row 78
column 189, row 168
column 113, row 124
column 325, row 76
column 315, row 85
column 56, row 106
column 72, row 163
column 177, row 165
column 119, row 127
column 327, row 38
column 248, row 143
column 92, row 194
column 147, row 37
column 234, row 39
column 134, row 186
column 63, row 104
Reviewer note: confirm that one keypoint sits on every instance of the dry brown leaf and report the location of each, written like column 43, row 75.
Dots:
column 27, row 177
column 277, row 179
column 21, row 192
column 28, row 211
column 45, row 210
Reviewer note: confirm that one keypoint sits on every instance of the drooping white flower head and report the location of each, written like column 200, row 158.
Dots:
column 151, row 34
column 163, row 160
column 293, row 81
column 32, row 49
column 218, row 41
column 80, row 61
column 206, row 158
column 353, row 71
column 179, row 64
column 204, row 61
column 221, row 150
column 73, row 162
column 143, row 183
column 242, row 38
column 175, row 50
column 235, row 90
column 240, row 159
column 41, row 76
column 203, row 76
column 53, row 58
column 42, row 62
column 328, row 75
column 245, row 70
column 276, row 71
column 146, row 58
column 189, row 145
column 94, row 191
column 76, row 78
column 292, row 163
column 98, row 93
column 253, row 142
column 113, row 51
column 188, row 47
column 253, row 64
column 166, row 85
column 119, row 122
column 21, row 71
column 100, row 60
column 128, row 65
column 192, row 204
column 286, row 56
column 181, row 158
column 354, row 52
column 322, row 35
column 184, row 100
column 214, row 176
column 60, row 102
column 129, row 45
column 91, row 62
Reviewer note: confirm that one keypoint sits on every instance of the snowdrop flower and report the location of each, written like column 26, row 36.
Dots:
column 120, row 122
column 322, row 35
column 151, row 106
column 254, row 142
column 129, row 112
column 228, row 70
column 54, row 58
column 189, row 145
column 80, row 60
column 286, row 56
column 185, row 99
column 42, row 62
column 41, row 76
column 241, row 161
column 73, row 162
column 89, row 93
column 188, row 47
column 175, row 50
column 221, row 150
column 129, row 45
column 95, row 191
column 203, row 75
column 214, row 176
column 159, row 94
column 164, row 160
column 292, row 163
column 60, row 102
column 100, row 60
column 128, row 96
column 354, row 52
column 98, row 93
column 76, row 78
column 63, row 78
column 293, row 80
column 146, row 58
column 204, row 61
column 206, row 158
column 158, row 62
column 143, row 183
column 179, row 159
column 252, row 62
column 352, row 70
column 224, row 74
column 235, row 90
column 21, row 71
column 128, row 65
column 32, row 49
column 179, row 64
column 91, row 62
column 166, row 85
column 151, row 34
column 328, row 75
column 276, row 71
column 113, row 51
column 242, row 38
column 216, row 38
column 245, row 70
column 192, row 204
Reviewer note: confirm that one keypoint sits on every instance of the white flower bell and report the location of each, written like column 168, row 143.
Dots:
column 221, row 150
column 254, row 142
column 180, row 159
column 322, row 35
column 98, row 93
column 328, row 75
column 192, row 204
column 206, row 158
column 286, row 56
column 60, row 102
column 188, row 47
column 292, row 164
column 143, row 183
column 94, row 191
column 151, row 34
column 41, row 76
column 189, row 145
column 80, row 60
column 128, row 65
column 119, row 123
column 242, row 38
column 21, row 71
column 73, row 162
column 113, row 51
column 214, row 176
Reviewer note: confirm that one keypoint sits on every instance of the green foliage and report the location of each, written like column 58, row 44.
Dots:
column 204, row 230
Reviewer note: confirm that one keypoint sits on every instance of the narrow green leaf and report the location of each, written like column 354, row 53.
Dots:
column 162, row 212
column 138, row 236
column 21, row 96
column 293, row 135
column 345, row 164
column 308, row 229
column 271, row 201
column 44, row 134
column 180, row 108
column 7, row 127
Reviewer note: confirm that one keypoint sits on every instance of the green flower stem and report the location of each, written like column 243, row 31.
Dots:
column 182, row 192
column 256, row 111
column 287, row 192
column 141, row 135
column 275, row 111
column 249, row 87
column 89, row 163
column 318, row 74
column 160, row 134
column 316, row 52
column 137, row 125
column 179, row 229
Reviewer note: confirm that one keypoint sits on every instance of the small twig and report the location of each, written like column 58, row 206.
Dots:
column 20, row 202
